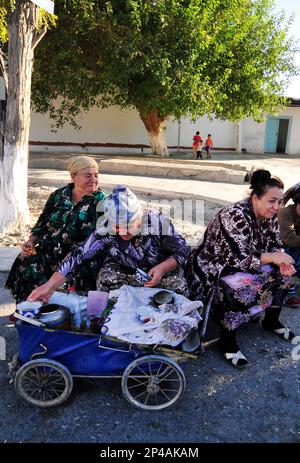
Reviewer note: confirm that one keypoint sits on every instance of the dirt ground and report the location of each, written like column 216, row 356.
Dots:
column 37, row 197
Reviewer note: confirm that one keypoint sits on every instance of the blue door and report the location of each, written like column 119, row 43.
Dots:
column 271, row 135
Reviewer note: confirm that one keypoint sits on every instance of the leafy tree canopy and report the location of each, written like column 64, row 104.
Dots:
column 9, row 6
column 228, row 58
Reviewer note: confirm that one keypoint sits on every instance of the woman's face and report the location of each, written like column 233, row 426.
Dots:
column 86, row 180
column 267, row 205
column 129, row 231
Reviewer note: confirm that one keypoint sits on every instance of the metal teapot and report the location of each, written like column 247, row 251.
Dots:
column 55, row 316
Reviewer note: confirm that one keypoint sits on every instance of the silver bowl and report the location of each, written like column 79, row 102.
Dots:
column 163, row 297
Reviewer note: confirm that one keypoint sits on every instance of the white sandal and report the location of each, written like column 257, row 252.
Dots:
column 284, row 333
column 237, row 359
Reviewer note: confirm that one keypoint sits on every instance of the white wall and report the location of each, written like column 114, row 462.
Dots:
column 112, row 125
column 253, row 133
column 97, row 126
column 223, row 132
column 293, row 146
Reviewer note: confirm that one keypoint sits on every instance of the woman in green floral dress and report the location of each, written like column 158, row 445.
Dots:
column 69, row 216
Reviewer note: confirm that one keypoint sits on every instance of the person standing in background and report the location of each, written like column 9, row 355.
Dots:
column 208, row 146
column 197, row 140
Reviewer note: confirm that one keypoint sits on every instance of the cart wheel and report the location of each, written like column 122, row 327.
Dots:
column 153, row 382
column 44, row 383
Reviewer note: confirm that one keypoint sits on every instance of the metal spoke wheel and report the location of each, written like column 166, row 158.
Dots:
column 153, row 382
column 44, row 383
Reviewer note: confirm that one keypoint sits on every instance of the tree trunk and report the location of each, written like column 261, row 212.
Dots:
column 155, row 125
column 23, row 37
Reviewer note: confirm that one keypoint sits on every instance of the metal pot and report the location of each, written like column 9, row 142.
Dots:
column 55, row 316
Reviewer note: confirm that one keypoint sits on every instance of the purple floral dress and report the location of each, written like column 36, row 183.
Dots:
column 228, row 261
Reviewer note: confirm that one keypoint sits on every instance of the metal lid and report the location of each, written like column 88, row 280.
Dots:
column 52, row 313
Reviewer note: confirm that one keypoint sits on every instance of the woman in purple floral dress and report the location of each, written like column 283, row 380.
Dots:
column 241, row 259
column 128, row 239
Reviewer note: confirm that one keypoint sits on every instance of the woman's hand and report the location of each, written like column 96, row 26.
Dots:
column 42, row 293
column 45, row 291
column 28, row 248
column 279, row 258
column 156, row 274
column 287, row 270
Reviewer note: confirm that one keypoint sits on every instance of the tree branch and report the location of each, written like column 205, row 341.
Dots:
column 38, row 36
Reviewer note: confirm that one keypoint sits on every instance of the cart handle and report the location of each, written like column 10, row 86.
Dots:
column 112, row 348
column 31, row 321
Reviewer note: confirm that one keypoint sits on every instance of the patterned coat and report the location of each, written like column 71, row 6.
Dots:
column 232, row 242
column 157, row 241
column 62, row 224
column 60, row 227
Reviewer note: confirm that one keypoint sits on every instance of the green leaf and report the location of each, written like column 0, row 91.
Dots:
column 228, row 58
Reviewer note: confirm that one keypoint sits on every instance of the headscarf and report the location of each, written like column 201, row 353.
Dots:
column 81, row 162
column 122, row 206
column 292, row 193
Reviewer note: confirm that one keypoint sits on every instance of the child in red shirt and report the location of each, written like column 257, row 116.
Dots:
column 197, row 145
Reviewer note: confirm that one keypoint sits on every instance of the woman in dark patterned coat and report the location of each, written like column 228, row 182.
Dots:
column 241, row 260
column 69, row 216
column 129, row 239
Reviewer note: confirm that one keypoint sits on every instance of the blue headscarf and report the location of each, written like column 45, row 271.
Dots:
column 122, row 206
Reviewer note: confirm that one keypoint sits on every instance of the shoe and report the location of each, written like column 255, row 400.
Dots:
column 237, row 359
column 282, row 332
column 292, row 301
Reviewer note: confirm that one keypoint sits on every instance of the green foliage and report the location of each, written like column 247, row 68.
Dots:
column 3, row 26
column 228, row 58
column 8, row 6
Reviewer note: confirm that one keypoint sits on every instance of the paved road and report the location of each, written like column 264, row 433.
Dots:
column 220, row 404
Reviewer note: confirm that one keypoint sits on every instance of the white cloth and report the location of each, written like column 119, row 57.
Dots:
column 170, row 325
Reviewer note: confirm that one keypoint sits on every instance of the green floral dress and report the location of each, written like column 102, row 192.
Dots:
column 60, row 228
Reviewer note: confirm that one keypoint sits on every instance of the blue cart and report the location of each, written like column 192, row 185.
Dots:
column 48, row 360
